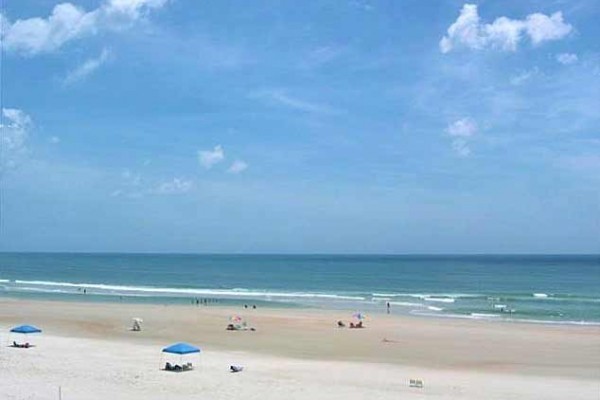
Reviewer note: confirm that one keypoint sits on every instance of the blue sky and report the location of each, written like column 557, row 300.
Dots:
column 279, row 126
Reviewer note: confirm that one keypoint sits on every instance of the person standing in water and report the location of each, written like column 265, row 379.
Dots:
column 388, row 307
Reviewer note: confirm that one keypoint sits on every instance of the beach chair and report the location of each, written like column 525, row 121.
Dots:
column 137, row 324
column 416, row 383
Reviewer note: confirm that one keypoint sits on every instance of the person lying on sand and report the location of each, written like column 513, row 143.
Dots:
column 21, row 346
column 232, row 327
column 357, row 325
column 178, row 368
column 340, row 324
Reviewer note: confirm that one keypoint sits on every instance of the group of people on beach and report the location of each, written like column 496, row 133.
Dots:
column 352, row 325
column 197, row 301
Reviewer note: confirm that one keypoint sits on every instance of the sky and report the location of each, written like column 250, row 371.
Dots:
column 327, row 126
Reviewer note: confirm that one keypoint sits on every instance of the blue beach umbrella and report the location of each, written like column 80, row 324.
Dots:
column 26, row 329
column 181, row 349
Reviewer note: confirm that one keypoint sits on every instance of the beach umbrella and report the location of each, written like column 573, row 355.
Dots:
column 181, row 349
column 25, row 329
column 235, row 319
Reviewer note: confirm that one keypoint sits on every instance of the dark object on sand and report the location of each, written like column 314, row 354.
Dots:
column 357, row 325
column 236, row 368
column 340, row 324
column 178, row 368
column 21, row 346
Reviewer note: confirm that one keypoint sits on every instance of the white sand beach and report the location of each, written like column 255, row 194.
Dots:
column 88, row 351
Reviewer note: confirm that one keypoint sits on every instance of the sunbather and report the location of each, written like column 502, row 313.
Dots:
column 358, row 325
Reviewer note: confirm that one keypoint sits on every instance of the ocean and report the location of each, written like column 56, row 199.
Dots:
column 537, row 288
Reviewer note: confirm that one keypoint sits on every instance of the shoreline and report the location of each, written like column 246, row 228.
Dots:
column 95, row 298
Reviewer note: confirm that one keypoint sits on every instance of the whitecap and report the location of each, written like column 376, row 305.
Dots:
column 439, row 299
column 432, row 308
column 238, row 292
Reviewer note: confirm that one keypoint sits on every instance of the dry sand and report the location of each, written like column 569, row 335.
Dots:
column 88, row 350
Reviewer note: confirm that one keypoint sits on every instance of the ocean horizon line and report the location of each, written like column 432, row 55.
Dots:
column 307, row 254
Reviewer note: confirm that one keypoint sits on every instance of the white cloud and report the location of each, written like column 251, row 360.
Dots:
column 462, row 131
column 465, row 127
column 134, row 9
column 542, row 28
column 567, row 58
column 174, row 186
column 461, row 147
column 54, row 140
column 504, row 33
column 524, row 76
column 281, row 98
column 87, row 68
column 237, row 167
column 208, row 158
column 134, row 186
column 68, row 22
column 15, row 131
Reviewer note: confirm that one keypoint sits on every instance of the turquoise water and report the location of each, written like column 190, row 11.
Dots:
column 545, row 288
